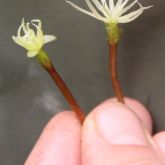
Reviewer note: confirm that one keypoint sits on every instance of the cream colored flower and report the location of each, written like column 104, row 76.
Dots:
column 32, row 40
column 112, row 11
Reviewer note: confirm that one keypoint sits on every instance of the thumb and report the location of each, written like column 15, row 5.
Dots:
column 110, row 124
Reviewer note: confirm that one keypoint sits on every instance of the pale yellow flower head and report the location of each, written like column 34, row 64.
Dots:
column 32, row 39
column 112, row 11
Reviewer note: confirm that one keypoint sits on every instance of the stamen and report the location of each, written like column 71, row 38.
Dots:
column 24, row 27
column 38, row 26
column 19, row 30
column 28, row 26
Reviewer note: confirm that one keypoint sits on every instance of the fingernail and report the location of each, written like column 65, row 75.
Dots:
column 118, row 125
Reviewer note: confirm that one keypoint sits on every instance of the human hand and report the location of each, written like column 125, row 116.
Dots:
column 112, row 133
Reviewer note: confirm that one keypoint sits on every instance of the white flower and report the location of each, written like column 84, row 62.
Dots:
column 111, row 12
column 32, row 41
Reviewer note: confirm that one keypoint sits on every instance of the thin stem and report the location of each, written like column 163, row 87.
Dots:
column 48, row 66
column 113, row 72
column 114, row 32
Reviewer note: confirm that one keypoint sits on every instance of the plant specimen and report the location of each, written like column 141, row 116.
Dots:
column 112, row 13
column 33, row 41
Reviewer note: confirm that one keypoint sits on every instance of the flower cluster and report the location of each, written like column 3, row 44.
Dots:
column 32, row 41
column 110, row 12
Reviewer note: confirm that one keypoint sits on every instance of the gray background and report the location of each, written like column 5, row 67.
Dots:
column 28, row 97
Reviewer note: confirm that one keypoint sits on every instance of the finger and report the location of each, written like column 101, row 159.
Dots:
column 116, row 122
column 59, row 143
column 160, row 140
column 108, row 124
column 139, row 109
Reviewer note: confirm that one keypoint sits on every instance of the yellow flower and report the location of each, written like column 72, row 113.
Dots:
column 32, row 40
column 111, row 12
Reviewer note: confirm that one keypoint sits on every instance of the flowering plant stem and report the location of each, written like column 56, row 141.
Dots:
column 113, row 39
column 113, row 72
column 46, row 63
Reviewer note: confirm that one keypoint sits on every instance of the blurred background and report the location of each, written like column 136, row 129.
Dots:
column 28, row 97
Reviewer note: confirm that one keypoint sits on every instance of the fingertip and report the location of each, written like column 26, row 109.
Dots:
column 109, row 125
column 61, row 133
column 118, row 125
column 142, row 112
column 160, row 140
column 65, row 118
column 139, row 109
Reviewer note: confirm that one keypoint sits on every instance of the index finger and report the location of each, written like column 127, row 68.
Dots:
column 59, row 143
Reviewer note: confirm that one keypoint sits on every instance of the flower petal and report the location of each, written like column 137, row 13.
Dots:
column 112, row 10
column 119, row 2
column 32, row 40
column 111, row 5
column 103, row 1
column 100, row 7
column 38, row 26
column 91, row 7
column 49, row 38
column 80, row 9
column 124, row 3
column 147, row 7
column 17, row 41
column 25, row 30
column 128, row 7
column 32, row 53
column 131, row 16
column 87, row 12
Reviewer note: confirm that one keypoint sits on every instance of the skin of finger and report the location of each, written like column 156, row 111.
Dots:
column 160, row 140
column 96, row 150
column 139, row 109
column 59, row 142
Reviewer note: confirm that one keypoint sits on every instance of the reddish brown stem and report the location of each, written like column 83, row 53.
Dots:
column 66, row 92
column 113, row 72
column 48, row 66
